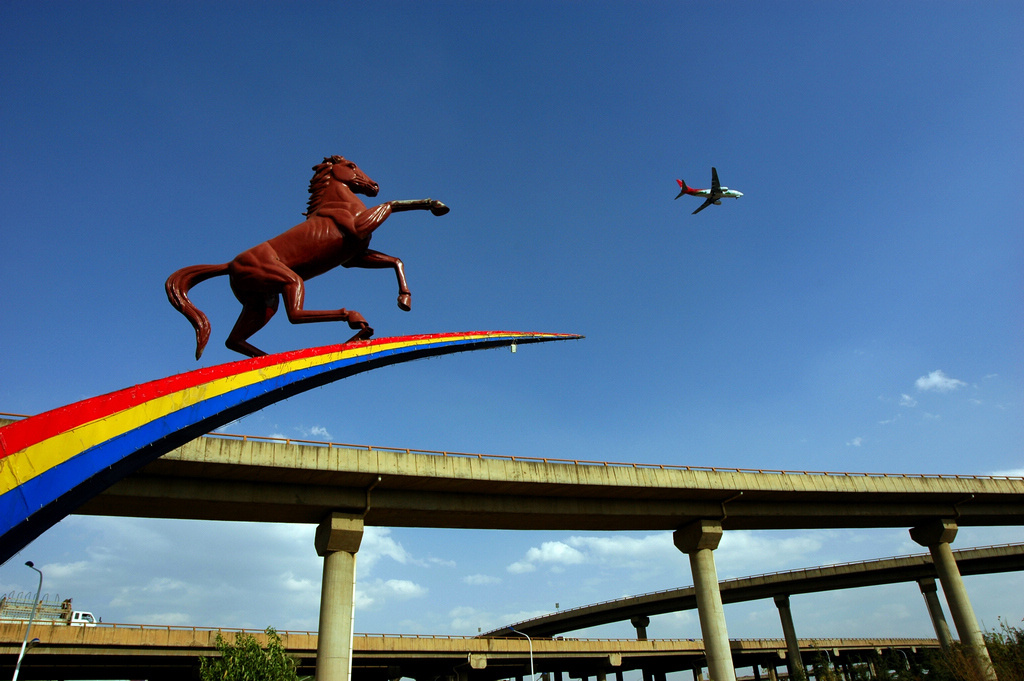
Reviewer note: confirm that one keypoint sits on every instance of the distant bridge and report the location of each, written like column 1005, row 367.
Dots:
column 976, row 561
column 171, row 653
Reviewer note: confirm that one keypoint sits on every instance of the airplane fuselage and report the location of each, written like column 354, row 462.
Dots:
column 724, row 193
column 710, row 196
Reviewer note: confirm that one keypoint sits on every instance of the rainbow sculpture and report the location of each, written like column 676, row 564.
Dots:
column 53, row 462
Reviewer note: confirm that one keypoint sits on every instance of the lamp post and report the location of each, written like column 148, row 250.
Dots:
column 32, row 616
column 533, row 676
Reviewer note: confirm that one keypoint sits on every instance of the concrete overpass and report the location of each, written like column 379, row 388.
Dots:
column 257, row 479
column 976, row 561
column 172, row 654
column 342, row 488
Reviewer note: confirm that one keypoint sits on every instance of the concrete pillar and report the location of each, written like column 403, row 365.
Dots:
column 337, row 540
column 937, row 536
column 794, row 660
column 698, row 540
column 931, row 599
column 641, row 623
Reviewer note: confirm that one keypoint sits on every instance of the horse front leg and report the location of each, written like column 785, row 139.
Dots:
column 367, row 221
column 435, row 207
column 376, row 260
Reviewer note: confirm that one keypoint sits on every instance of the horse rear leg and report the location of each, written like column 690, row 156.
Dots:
column 294, row 295
column 254, row 316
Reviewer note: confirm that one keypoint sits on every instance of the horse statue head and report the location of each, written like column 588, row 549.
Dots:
column 337, row 169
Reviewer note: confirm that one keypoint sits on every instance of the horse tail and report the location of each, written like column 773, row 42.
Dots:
column 177, row 287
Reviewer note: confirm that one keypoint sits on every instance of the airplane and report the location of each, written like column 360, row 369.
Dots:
column 713, row 195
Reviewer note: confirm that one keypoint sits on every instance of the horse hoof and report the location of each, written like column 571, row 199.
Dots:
column 362, row 334
column 405, row 301
column 355, row 320
column 439, row 208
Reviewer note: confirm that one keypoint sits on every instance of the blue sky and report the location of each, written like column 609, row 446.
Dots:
column 859, row 309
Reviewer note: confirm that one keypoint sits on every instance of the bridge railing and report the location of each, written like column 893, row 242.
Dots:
column 585, row 462
column 766, row 642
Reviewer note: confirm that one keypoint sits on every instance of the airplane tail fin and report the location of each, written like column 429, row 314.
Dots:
column 682, row 188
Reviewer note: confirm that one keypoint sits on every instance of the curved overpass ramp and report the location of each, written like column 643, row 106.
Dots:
column 984, row 560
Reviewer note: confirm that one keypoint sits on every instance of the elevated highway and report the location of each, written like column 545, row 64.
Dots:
column 170, row 653
column 983, row 560
column 343, row 488
column 255, row 479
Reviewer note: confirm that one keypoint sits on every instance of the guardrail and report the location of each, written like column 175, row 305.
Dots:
column 453, row 637
column 585, row 462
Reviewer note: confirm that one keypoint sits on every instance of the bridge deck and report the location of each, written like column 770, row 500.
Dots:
column 125, row 651
column 226, row 478
column 982, row 560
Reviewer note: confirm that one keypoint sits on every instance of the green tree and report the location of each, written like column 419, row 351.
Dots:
column 1005, row 647
column 247, row 660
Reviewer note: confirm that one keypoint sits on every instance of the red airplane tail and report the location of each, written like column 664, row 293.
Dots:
column 682, row 188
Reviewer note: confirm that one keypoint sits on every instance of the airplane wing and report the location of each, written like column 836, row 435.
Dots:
column 703, row 206
column 716, row 186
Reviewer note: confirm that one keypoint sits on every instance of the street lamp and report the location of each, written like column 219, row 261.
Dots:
column 533, row 676
column 31, row 617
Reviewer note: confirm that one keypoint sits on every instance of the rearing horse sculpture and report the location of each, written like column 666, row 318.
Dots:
column 336, row 232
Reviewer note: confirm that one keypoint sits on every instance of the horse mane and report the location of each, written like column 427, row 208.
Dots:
column 318, row 183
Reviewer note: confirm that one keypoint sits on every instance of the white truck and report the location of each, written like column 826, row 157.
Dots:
column 19, row 607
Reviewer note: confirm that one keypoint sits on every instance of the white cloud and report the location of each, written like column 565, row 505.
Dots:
column 377, row 543
column 480, row 580
column 555, row 552
column 66, row 571
column 521, row 567
column 746, row 552
column 404, row 588
column 319, row 432
column 908, row 401
column 607, row 551
column 855, row 442
column 938, row 382
column 376, row 593
column 292, row 583
column 625, row 551
column 1011, row 473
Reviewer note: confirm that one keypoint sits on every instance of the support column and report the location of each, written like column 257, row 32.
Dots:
column 337, row 540
column 794, row 660
column 640, row 622
column 931, row 599
column 937, row 536
column 698, row 540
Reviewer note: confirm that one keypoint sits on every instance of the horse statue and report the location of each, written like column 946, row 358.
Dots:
column 336, row 231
